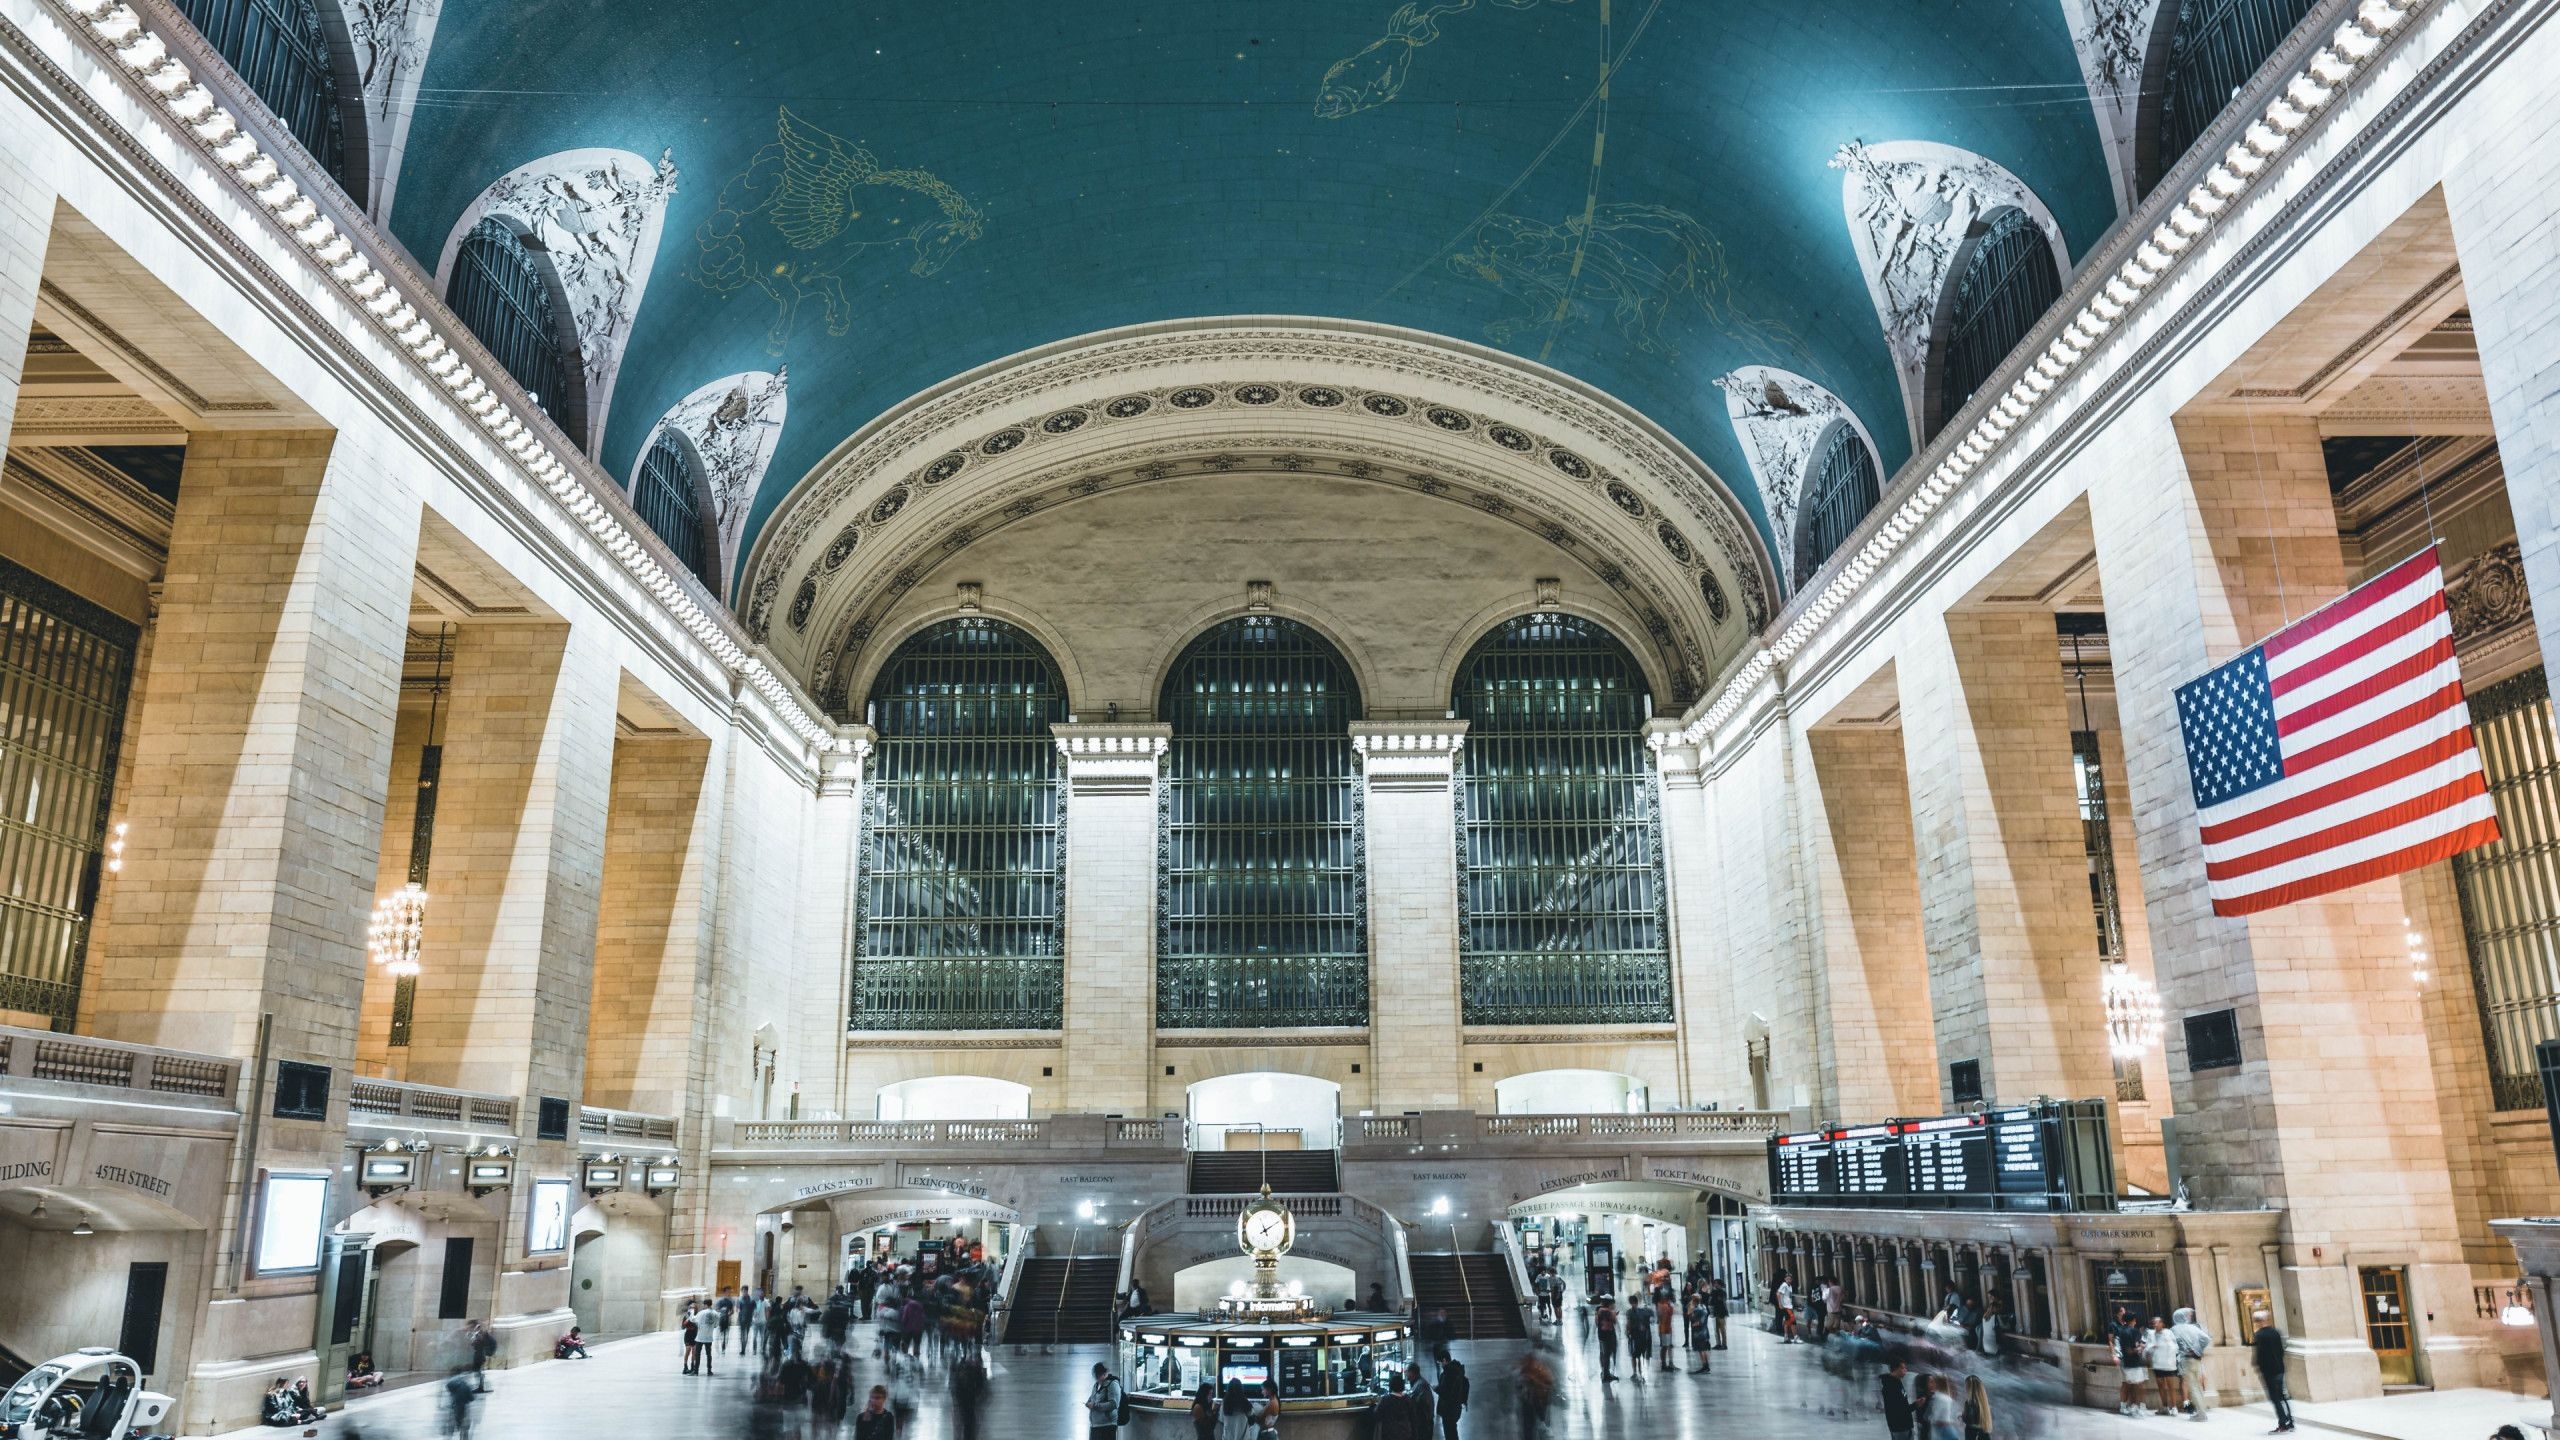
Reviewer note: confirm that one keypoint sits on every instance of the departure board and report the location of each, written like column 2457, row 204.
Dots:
column 2051, row 1155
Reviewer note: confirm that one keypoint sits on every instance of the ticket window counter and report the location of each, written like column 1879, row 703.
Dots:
column 1314, row 1363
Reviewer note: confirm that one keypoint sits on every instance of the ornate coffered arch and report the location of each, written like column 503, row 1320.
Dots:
column 1265, row 397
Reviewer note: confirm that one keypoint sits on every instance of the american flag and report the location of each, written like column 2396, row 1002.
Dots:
column 2338, row 750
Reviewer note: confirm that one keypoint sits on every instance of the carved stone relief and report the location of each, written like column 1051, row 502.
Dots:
column 1780, row 416
column 2111, row 37
column 1911, row 206
column 390, row 39
column 734, row 423
column 598, row 213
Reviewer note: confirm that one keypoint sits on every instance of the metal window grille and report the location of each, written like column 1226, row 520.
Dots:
column 1262, row 904
column 667, row 492
column 2510, row 888
column 499, row 291
column 2214, row 49
column 1840, row 488
column 280, row 51
column 2008, row 283
column 66, row 667
column 1560, row 890
column 958, row 925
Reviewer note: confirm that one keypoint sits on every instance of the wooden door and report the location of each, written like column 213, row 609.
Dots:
column 2386, row 1322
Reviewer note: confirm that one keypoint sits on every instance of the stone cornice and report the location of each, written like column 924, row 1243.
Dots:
column 1430, row 737
column 2294, row 97
column 1111, row 740
column 208, row 115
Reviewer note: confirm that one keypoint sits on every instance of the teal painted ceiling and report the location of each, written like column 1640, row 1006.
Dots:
column 1042, row 171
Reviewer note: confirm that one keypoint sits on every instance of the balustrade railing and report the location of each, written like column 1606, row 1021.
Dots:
column 377, row 1101
column 1064, row 1130
column 165, row 1075
column 972, row 993
column 598, row 1123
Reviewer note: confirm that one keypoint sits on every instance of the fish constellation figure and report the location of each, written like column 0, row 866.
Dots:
column 1375, row 75
column 1637, row 261
column 810, row 205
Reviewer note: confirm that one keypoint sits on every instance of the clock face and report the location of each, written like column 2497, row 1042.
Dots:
column 1266, row 1230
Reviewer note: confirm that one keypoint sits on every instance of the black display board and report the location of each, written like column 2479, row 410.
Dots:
column 2051, row 1155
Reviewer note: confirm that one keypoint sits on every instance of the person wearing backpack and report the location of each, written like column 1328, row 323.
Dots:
column 1106, row 1407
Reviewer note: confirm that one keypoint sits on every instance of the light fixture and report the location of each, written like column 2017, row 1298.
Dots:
column 83, row 1227
column 2417, row 954
column 399, row 923
column 1084, row 1210
column 2133, row 1011
column 115, row 850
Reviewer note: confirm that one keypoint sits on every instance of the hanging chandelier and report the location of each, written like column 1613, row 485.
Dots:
column 399, row 922
column 2133, row 1011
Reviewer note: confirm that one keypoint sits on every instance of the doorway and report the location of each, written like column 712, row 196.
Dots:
column 2386, row 1321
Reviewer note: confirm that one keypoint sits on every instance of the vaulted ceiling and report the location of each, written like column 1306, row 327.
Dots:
column 873, row 199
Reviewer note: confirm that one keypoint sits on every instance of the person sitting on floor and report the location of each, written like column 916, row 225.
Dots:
column 361, row 1373
column 278, row 1408
column 570, row 1346
column 304, row 1411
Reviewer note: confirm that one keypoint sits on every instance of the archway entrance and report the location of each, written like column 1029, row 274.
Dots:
column 1571, row 1092
column 1603, row 1237
column 1264, row 1109
column 955, row 1097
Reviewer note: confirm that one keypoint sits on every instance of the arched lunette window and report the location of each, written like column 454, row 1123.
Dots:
column 2008, row 280
column 1560, row 889
column 1840, row 487
column 2213, row 47
column 668, row 493
column 280, row 49
column 502, row 290
column 958, row 924
column 1261, row 912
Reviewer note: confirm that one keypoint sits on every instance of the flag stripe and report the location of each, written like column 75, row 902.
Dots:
column 2350, row 614
column 2370, row 721
column 2423, row 796
column 2339, row 750
column 2356, row 852
column 2380, row 867
column 2314, row 799
column 2317, row 777
column 2367, row 683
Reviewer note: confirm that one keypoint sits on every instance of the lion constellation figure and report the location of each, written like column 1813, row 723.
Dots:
column 807, row 207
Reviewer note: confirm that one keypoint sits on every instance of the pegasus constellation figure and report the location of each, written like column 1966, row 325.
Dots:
column 1375, row 75
column 810, row 206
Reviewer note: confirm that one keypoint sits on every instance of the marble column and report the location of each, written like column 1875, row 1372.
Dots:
column 653, row 925
column 1415, row 1019
column 2013, row 969
column 830, row 866
column 1869, row 952
column 2219, row 534
column 1112, row 773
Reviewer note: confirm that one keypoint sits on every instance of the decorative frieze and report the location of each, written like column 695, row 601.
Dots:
column 1409, row 755
column 1112, row 758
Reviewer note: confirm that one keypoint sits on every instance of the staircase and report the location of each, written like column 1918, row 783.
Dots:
column 1062, row 1302
column 1241, row 1172
column 1474, row 1289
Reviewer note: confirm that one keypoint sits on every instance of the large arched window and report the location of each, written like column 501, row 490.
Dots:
column 503, row 292
column 280, row 49
column 1560, row 896
column 958, row 923
column 668, row 494
column 2214, row 46
column 1839, row 489
column 1261, row 914
column 2008, row 281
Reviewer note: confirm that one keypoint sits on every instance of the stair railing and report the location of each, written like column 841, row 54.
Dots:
column 1524, row 1295
column 1008, row 1284
column 1066, row 1282
column 1466, row 1287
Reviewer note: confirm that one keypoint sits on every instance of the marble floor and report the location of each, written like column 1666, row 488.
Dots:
column 633, row 1390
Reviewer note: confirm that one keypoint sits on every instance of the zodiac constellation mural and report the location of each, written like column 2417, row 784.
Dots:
column 1636, row 262
column 1377, row 74
column 812, row 204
